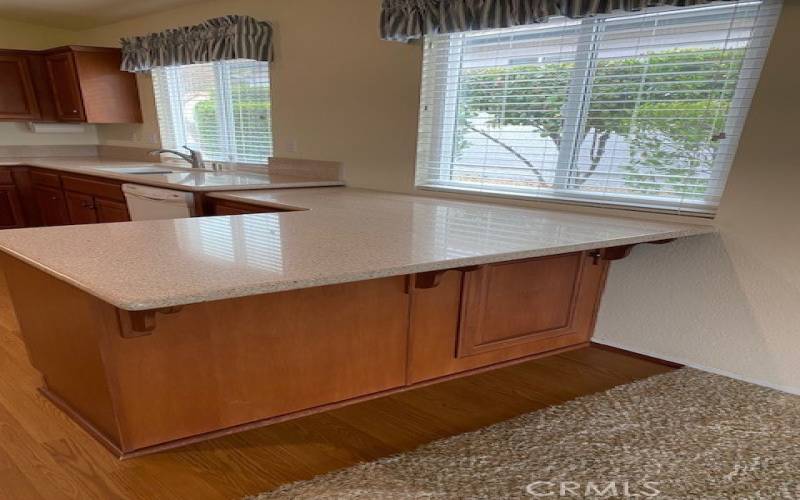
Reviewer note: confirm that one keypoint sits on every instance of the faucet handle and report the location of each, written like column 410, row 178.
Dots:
column 197, row 156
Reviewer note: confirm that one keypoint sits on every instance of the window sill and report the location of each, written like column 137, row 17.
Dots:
column 702, row 213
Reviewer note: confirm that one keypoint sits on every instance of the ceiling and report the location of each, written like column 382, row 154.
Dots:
column 82, row 14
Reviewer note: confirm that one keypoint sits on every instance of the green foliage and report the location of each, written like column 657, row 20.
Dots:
column 251, row 109
column 667, row 106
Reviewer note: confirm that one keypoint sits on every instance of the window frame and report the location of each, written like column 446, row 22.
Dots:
column 173, row 77
column 583, row 76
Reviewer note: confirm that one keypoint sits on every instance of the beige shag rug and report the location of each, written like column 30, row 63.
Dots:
column 684, row 434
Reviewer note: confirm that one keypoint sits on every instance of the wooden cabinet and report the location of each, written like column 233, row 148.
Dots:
column 51, row 204
column 67, row 84
column 74, row 199
column 217, row 206
column 88, row 86
column 470, row 318
column 18, row 100
column 81, row 208
column 11, row 211
column 66, row 88
column 134, row 378
column 111, row 211
column 517, row 302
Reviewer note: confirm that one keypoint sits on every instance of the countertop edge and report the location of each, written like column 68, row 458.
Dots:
column 136, row 179
column 238, row 292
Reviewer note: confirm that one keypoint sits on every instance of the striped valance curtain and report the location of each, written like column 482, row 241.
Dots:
column 218, row 39
column 404, row 20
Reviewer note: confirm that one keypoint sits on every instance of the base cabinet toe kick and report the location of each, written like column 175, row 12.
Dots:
column 145, row 381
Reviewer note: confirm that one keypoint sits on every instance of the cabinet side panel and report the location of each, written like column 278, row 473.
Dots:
column 218, row 364
column 110, row 95
column 60, row 326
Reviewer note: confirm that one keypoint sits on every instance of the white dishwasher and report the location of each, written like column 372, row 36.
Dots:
column 151, row 203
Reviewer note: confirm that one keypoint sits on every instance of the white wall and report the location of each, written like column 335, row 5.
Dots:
column 730, row 303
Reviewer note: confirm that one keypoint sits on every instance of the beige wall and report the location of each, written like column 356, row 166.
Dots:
column 728, row 303
column 14, row 35
column 339, row 93
column 731, row 303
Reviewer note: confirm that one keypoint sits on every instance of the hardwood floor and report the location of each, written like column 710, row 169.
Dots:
column 44, row 455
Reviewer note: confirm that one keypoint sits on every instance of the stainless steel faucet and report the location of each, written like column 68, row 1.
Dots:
column 194, row 157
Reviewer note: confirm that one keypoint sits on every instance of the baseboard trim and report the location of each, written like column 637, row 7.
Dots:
column 634, row 354
column 685, row 362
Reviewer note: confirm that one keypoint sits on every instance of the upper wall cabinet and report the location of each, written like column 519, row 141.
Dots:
column 67, row 84
column 18, row 99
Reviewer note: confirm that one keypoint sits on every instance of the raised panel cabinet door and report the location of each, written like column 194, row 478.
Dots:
column 81, row 208
column 52, row 206
column 11, row 215
column 111, row 211
column 66, row 87
column 441, row 342
column 17, row 94
column 511, row 302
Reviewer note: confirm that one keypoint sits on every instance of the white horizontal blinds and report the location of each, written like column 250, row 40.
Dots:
column 220, row 108
column 642, row 110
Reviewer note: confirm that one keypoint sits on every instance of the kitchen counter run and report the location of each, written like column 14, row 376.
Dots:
column 336, row 235
column 184, row 179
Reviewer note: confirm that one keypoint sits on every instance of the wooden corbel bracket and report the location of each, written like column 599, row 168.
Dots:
column 141, row 323
column 431, row 279
column 620, row 252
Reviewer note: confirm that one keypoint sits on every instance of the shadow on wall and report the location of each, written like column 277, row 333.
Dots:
column 688, row 302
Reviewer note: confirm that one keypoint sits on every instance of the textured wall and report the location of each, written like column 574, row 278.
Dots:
column 730, row 303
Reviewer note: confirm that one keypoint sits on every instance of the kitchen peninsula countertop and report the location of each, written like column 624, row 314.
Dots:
column 333, row 235
column 182, row 178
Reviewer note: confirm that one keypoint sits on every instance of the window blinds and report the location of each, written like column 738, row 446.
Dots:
column 642, row 110
column 220, row 108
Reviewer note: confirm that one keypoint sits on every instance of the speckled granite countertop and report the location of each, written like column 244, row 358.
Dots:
column 184, row 179
column 344, row 235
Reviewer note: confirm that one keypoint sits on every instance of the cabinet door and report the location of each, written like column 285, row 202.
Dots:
column 66, row 89
column 111, row 211
column 10, row 208
column 81, row 208
column 17, row 94
column 52, row 206
column 513, row 302
column 466, row 319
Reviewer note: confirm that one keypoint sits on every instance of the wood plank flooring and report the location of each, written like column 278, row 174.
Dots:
column 44, row 455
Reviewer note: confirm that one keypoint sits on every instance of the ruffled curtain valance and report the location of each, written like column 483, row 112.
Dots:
column 218, row 39
column 404, row 20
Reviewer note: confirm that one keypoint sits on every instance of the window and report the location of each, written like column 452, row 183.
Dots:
column 220, row 108
column 643, row 110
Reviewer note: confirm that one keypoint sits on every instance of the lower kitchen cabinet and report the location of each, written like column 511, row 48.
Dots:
column 111, row 211
column 70, row 199
column 11, row 214
column 470, row 318
column 51, row 204
column 81, row 208
column 217, row 206
column 144, row 381
column 87, row 209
